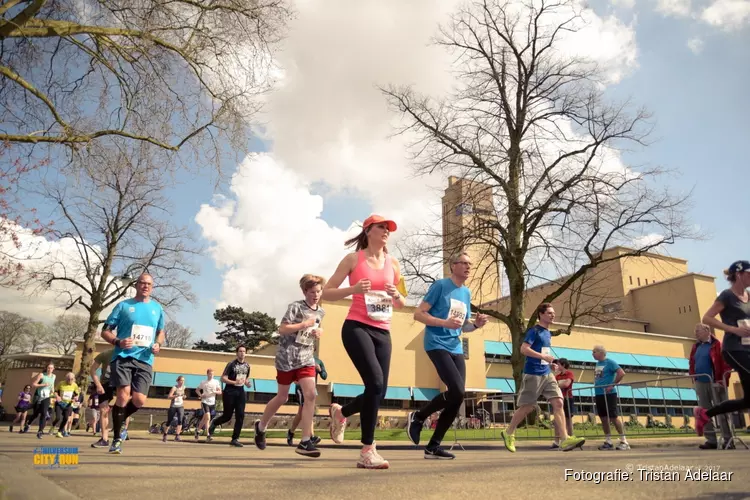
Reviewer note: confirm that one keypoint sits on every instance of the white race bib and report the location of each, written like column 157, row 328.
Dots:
column 745, row 340
column 457, row 310
column 379, row 305
column 67, row 395
column 546, row 351
column 178, row 401
column 143, row 336
column 745, row 323
column 44, row 392
column 305, row 336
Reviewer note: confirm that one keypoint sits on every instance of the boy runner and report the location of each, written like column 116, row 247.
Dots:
column 207, row 390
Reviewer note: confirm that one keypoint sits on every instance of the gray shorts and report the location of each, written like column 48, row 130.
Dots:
column 132, row 372
column 533, row 386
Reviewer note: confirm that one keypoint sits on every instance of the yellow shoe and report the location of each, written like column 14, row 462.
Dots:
column 509, row 440
column 572, row 443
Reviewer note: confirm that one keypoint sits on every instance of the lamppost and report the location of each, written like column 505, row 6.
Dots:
column 125, row 281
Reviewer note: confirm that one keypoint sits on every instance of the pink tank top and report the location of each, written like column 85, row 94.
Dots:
column 374, row 308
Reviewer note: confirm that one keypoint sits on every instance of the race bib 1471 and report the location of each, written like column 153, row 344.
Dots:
column 143, row 336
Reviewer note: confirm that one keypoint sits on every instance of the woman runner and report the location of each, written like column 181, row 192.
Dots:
column 373, row 274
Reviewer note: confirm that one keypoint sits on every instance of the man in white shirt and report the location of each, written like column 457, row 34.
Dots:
column 207, row 391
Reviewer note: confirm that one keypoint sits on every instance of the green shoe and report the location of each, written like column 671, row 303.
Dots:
column 572, row 443
column 509, row 440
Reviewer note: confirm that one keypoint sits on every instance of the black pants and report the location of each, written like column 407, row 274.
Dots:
column 62, row 414
column 451, row 369
column 740, row 361
column 234, row 402
column 40, row 410
column 369, row 348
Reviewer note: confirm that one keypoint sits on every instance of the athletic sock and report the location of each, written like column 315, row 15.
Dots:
column 130, row 408
column 261, row 427
column 623, row 439
column 118, row 416
column 608, row 438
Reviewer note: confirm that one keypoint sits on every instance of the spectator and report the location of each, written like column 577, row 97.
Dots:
column 565, row 378
column 713, row 373
column 607, row 375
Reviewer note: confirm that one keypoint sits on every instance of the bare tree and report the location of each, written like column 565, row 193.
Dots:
column 13, row 330
column 534, row 143
column 114, row 223
column 167, row 72
column 65, row 331
column 178, row 336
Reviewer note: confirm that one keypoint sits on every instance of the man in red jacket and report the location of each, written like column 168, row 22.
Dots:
column 710, row 386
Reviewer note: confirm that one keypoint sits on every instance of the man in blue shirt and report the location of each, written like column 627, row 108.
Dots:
column 136, row 329
column 446, row 311
column 538, row 381
column 607, row 374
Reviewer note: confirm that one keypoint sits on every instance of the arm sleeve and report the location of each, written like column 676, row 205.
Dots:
column 433, row 294
column 530, row 337
column 226, row 369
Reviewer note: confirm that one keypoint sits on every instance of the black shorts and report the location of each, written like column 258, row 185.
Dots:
column 132, row 372
column 178, row 411
column 568, row 407
column 606, row 405
column 21, row 410
column 109, row 393
column 207, row 408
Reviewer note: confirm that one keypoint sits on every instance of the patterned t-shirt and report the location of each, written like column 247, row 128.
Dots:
column 297, row 350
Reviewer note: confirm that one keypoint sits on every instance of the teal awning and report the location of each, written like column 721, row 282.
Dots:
column 425, row 394
column 497, row 348
column 680, row 363
column 583, row 389
column 623, row 358
column 647, row 360
column 264, row 386
column 348, row 390
column 506, row 385
column 167, row 379
column 402, row 393
column 573, row 355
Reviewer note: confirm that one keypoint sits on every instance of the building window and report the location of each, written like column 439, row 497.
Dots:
column 690, row 308
column 465, row 345
column 647, row 281
column 679, row 310
column 639, row 281
column 613, row 307
column 631, row 279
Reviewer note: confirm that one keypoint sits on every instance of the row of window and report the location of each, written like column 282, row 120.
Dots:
column 639, row 281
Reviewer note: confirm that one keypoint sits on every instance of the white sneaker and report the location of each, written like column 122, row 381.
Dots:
column 622, row 446
column 372, row 460
column 337, row 426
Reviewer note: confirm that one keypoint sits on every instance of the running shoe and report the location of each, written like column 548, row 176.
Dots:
column 338, row 426
column 438, row 454
column 25, row 429
column 290, row 438
column 554, row 446
column 701, row 419
column 371, row 459
column 39, row 435
column 209, row 439
column 413, row 427
column 572, row 443
column 59, row 435
column 236, row 443
column 177, row 438
column 66, row 434
column 260, row 437
column 509, row 440
column 622, row 445
column 315, row 440
column 308, row 449
column 607, row 446
column 163, row 438
column 116, row 447
column 196, row 436
column 100, row 444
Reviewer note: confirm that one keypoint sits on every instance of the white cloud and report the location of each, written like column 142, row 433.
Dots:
column 625, row 4
column 727, row 14
column 677, row 8
column 327, row 121
column 695, row 45
column 647, row 239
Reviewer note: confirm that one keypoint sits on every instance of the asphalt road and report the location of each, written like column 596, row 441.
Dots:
column 150, row 469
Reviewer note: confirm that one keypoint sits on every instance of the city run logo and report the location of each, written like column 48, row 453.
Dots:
column 55, row 458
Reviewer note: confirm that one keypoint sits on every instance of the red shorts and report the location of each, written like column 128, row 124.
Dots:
column 288, row 378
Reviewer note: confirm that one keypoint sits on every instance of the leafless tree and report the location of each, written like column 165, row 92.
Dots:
column 177, row 335
column 13, row 330
column 533, row 140
column 114, row 224
column 65, row 331
column 167, row 72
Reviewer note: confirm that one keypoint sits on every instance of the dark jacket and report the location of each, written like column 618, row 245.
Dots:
column 720, row 366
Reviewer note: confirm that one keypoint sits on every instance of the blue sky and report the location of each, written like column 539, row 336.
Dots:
column 699, row 104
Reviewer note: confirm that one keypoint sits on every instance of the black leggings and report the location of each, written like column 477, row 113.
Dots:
column 451, row 369
column 40, row 410
column 234, row 402
column 62, row 415
column 369, row 348
column 740, row 361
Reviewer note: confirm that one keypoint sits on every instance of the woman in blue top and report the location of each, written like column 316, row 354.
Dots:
column 733, row 307
column 445, row 310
